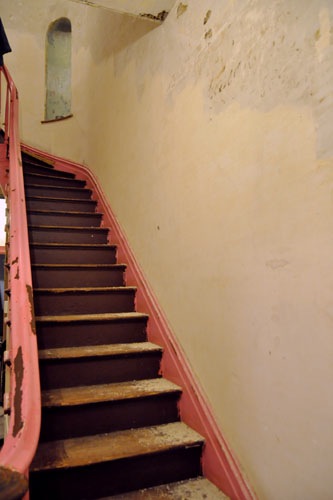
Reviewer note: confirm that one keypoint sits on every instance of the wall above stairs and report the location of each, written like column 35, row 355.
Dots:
column 145, row 8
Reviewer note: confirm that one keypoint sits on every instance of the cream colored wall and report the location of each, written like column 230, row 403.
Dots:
column 212, row 136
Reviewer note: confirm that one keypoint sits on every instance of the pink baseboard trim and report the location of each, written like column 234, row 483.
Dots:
column 219, row 463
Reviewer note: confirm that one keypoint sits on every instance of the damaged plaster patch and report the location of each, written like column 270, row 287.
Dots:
column 207, row 16
column 181, row 9
column 161, row 16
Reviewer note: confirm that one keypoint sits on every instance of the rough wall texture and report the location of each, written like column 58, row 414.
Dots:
column 213, row 137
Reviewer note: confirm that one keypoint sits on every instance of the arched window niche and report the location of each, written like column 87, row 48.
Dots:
column 58, row 70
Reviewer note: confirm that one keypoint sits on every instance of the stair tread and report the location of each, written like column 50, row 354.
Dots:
column 34, row 174
column 98, row 350
column 92, row 317
column 50, row 198
column 94, row 289
column 80, row 266
column 66, row 212
column 75, row 228
column 70, row 245
column 71, row 396
column 118, row 445
column 192, row 489
column 52, row 186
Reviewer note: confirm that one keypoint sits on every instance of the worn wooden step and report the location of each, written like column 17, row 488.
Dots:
column 101, row 364
column 57, row 192
column 36, row 159
column 92, row 300
column 33, row 167
column 50, row 180
column 193, row 489
column 90, row 329
column 63, row 218
column 74, row 275
column 61, row 253
column 115, row 463
column 67, row 234
column 62, row 204
column 80, row 411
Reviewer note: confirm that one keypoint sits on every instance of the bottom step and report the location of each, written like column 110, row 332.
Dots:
column 110, row 464
column 193, row 489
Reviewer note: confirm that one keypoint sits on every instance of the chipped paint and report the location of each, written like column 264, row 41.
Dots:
column 17, row 276
column 181, row 9
column 18, row 371
column 207, row 16
column 32, row 309
column 161, row 16
column 15, row 261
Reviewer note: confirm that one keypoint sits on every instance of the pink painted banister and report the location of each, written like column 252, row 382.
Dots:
column 22, row 356
column 219, row 463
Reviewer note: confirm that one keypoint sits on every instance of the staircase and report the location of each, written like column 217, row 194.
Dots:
column 110, row 422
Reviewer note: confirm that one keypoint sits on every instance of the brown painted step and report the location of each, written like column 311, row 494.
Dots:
column 50, row 180
column 192, row 489
column 61, row 253
column 63, row 218
column 93, row 300
column 103, row 364
column 108, row 464
column 38, row 161
column 57, row 192
column 32, row 167
column 67, row 234
column 72, row 275
column 90, row 329
column 79, row 411
column 62, row 204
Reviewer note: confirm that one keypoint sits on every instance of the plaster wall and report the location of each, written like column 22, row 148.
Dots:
column 212, row 136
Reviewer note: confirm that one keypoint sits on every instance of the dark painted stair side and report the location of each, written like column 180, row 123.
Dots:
column 110, row 423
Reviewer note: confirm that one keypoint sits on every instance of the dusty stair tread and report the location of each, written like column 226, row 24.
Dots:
column 73, row 396
column 75, row 180
column 62, row 188
column 92, row 317
column 109, row 350
column 89, row 450
column 64, row 212
column 73, row 245
column 45, row 170
column 71, row 228
column 192, row 489
column 95, row 289
column 51, row 198
column 79, row 266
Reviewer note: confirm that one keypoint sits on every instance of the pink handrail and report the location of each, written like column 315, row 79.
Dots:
column 22, row 355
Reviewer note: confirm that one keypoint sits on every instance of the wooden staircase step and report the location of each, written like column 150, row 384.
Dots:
column 68, row 253
column 57, row 301
column 131, row 459
column 78, row 275
column 49, row 203
column 107, row 392
column 57, row 192
column 67, row 234
column 99, row 364
column 90, row 329
column 50, row 180
column 33, row 167
column 108, row 350
column 80, row 411
column 114, row 446
column 192, row 489
column 63, row 218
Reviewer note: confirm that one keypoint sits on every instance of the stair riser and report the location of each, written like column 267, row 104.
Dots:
column 54, row 192
column 76, row 421
column 62, row 205
column 61, row 235
column 82, row 371
column 52, row 219
column 53, row 255
column 62, row 278
column 51, row 335
column 53, row 181
column 32, row 168
column 122, row 475
column 83, row 303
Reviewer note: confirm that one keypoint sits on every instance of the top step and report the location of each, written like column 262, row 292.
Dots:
column 34, row 168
